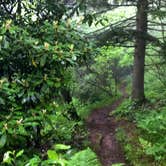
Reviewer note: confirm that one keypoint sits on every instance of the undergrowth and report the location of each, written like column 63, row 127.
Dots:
column 143, row 138
column 84, row 109
column 146, row 144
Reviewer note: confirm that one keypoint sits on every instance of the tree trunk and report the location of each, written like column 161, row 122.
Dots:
column 140, row 48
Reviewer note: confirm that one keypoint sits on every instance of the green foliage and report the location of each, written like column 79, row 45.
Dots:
column 149, row 141
column 60, row 155
column 124, row 110
column 153, row 92
column 85, row 157
column 27, row 10
column 84, row 109
column 153, row 126
column 34, row 63
column 81, row 109
column 11, row 157
column 133, row 150
column 48, row 71
column 118, row 164
column 99, row 77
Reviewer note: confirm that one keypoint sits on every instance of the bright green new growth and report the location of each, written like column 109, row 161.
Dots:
column 86, row 157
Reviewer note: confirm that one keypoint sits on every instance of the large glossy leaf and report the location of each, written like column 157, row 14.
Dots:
column 43, row 60
column 7, row 158
column 3, row 140
column 62, row 147
column 52, row 155
column 19, row 153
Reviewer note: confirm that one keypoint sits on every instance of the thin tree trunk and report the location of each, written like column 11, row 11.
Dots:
column 140, row 48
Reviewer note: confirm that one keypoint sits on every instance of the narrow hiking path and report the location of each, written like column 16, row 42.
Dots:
column 102, row 133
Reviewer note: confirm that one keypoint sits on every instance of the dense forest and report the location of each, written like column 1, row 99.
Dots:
column 83, row 82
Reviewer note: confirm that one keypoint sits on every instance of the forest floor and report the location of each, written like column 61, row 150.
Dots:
column 102, row 133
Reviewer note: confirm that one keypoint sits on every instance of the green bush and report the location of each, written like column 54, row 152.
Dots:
column 34, row 63
column 85, row 157
column 153, row 127
column 60, row 155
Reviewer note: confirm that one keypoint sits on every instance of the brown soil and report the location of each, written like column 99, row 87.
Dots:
column 102, row 134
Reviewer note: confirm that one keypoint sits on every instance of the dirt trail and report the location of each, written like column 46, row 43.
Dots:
column 102, row 129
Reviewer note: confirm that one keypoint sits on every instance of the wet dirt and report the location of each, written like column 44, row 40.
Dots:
column 102, row 133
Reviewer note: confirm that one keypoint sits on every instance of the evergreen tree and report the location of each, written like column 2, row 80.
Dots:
column 139, row 30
